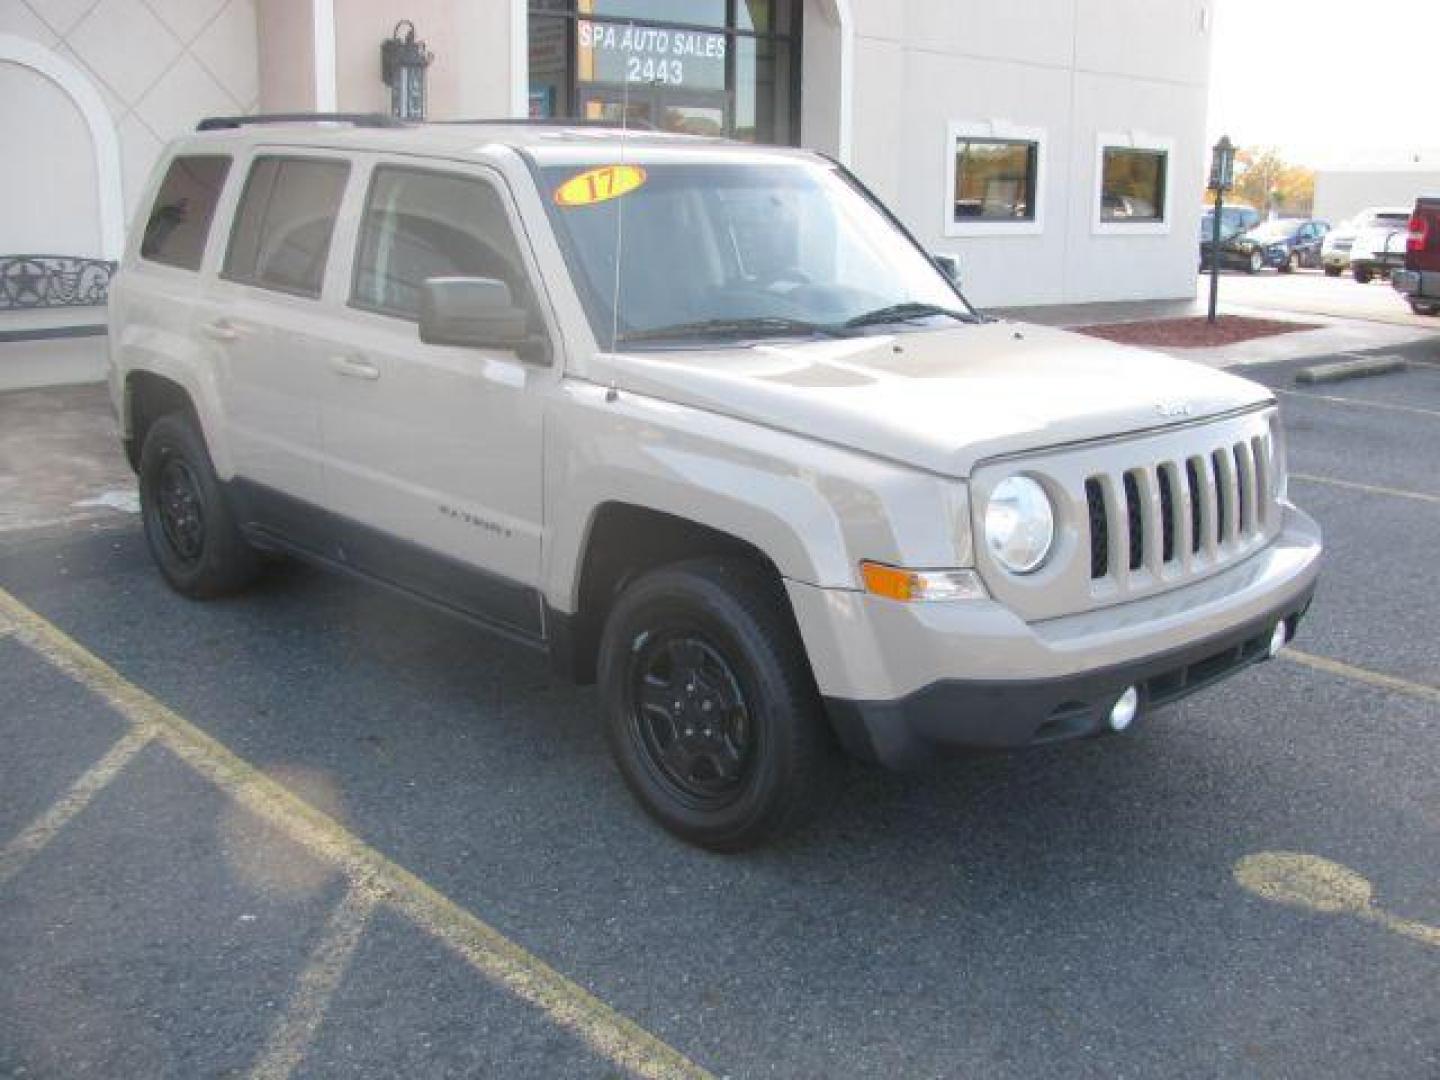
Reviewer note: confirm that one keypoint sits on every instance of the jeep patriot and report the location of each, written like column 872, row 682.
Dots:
column 702, row 421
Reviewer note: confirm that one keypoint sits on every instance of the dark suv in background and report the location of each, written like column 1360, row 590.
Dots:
column 1419, row 282
column 1285, row 244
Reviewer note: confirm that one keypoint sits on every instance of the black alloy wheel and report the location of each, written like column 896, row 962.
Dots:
column 690, row 716
column 711, row 710
column 190, row 530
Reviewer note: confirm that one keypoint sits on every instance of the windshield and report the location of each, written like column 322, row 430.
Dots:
column 740, row 250
column 1275, row 230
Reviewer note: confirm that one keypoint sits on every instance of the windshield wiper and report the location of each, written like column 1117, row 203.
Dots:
column 768, row 325
column 902, row 313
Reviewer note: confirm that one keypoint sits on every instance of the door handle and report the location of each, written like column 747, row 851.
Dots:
column 221, row 330
column 354, row 367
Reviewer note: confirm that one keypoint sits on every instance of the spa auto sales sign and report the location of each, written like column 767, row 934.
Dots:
column 614, row 53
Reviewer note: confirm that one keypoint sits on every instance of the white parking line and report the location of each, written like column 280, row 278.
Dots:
column 1388, row 406
column 1369, row 489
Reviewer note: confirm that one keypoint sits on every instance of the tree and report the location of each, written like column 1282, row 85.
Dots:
column 1266, row 181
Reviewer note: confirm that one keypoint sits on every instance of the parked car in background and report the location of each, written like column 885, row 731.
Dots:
column 1284, row 244
column 1379, row 245
column 1233, row 221
column 1419, row 281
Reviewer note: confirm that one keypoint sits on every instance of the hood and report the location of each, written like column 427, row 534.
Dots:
column 939, row 400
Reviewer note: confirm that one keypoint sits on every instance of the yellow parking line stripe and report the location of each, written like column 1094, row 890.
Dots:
column 1334, row 400
column 316, row 986
column 1365, row 675
column 33, row 838
column 1369, row 489
column 525, row 975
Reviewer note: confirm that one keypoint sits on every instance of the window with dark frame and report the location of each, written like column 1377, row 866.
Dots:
column 1132, row 188
column 283, row 225
column 995, row 179
column 706, row 67
column 179, row 222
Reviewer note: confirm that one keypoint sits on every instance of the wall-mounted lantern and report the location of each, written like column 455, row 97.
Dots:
column 1222, row 179
column 403, row 61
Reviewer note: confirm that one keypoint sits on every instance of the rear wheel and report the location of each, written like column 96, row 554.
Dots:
column 1332, row 271
column 711, row 711
column 1361, row 274
column 192, row 535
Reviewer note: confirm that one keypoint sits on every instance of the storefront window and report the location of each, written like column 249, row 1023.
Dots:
column 995, row 179
column 1133, row 185
column 708, row 67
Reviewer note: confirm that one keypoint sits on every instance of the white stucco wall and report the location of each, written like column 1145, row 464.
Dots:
column 154, row 66
column 1073, row 69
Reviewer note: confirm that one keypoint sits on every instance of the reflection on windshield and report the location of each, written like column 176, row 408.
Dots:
column 742, row 250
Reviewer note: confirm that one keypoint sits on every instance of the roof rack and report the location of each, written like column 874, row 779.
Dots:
column 551, row 121
column 366, row 120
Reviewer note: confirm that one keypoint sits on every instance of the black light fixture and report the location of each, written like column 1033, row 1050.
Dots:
column 1222, row 179
column 403, row 61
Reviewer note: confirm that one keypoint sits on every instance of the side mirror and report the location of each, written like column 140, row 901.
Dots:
column 948, row 265
column 477, row 313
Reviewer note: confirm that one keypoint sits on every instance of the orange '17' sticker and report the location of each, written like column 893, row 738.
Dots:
column 599, row 185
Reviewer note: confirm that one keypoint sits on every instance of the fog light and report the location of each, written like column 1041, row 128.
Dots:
column 1278, row 637
column 1124, row 710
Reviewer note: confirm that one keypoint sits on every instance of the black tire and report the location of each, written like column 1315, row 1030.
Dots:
column 1332, row 271
column 1255, row 263
column 191, row 532
column 1291, row 263
column 754, row 755
column 1361, row 274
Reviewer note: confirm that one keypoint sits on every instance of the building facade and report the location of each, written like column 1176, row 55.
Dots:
column 1343, row 193
column 1055, row 147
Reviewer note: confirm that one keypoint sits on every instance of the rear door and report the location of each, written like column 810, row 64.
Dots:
column 259, row 318
column 433, row 453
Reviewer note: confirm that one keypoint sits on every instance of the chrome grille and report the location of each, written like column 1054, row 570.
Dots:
column 1177, row 514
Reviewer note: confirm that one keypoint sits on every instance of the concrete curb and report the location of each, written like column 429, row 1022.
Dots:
column 1358, row 368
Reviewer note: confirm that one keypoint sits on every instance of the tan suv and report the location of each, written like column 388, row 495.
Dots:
column 702, row 421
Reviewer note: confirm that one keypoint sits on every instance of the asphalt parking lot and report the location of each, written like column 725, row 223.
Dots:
column 317, row 831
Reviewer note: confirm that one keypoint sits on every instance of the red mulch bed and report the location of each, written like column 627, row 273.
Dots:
column 1192, row 333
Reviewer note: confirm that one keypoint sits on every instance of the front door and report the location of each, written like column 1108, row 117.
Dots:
column 433, row 453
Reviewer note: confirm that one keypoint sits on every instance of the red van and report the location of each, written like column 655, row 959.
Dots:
column 1420, row 280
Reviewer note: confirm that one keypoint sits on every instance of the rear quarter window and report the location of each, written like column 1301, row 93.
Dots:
column 179, row 223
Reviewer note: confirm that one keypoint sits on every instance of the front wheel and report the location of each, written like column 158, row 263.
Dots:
column 192, row 535
column 711, row 711
column 1361, row 274
column 1332, row 271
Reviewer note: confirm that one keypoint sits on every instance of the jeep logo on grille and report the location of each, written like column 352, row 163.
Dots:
column 1173, row 408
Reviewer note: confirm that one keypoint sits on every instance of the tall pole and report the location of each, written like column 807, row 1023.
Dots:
column 1215, row 251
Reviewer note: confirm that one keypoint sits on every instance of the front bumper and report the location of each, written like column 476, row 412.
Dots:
column 904, row 683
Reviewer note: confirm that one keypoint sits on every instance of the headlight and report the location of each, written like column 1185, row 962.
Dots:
column 1019, row 524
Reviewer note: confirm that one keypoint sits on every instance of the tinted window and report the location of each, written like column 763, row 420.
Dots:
column 180, row 220
column 282, row 228
column 421, row 225
column 1133, row 187
column 995, row 180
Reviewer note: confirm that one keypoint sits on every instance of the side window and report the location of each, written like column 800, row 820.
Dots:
column 281, row 236
column 179, row 222
column 421, row 224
